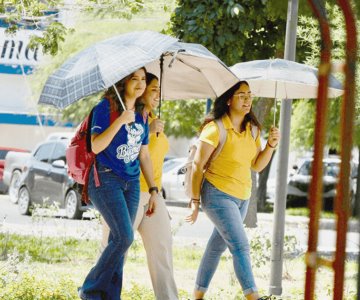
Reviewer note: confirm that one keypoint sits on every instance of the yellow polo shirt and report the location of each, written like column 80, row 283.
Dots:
column 230, row 170
column 158, row 147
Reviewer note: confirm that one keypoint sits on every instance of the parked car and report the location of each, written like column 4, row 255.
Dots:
column 45, row 181
column 299, row 182
column 3, row 153
column 173, row 179
column 15, row 162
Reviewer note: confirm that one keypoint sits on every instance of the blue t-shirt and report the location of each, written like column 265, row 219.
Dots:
column 122, row 153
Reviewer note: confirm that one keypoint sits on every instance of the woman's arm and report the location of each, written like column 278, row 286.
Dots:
column 202, row 155
column 147, row 170
column 263, row 157
column 100, row 141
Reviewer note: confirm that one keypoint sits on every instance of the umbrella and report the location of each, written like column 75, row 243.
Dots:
column 284, row 79
column 101, row 65
column 185, row 70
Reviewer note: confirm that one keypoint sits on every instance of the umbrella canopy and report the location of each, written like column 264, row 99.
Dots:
column 192, row 71
column 188, row 70
column 284, row 79
column 102, row 65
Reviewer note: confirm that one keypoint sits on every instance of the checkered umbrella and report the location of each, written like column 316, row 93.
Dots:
column 102, row 65
column 186, row 70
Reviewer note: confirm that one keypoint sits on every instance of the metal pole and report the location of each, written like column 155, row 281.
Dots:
column 342, row 203
column 282, row 167
column 208, row 106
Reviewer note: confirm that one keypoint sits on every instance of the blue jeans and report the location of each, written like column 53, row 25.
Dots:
column 227, row 213
column 117, row 201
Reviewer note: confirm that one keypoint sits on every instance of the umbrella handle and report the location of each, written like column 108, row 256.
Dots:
column 120, row 100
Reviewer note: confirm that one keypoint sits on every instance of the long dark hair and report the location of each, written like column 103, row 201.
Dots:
column 221, row 108
column 120, row 85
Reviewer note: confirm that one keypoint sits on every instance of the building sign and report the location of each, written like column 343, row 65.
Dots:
column 15, row 55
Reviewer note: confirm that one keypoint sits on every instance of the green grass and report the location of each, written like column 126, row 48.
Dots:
column 61, row 264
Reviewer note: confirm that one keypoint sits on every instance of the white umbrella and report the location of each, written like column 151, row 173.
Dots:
column 283, row 79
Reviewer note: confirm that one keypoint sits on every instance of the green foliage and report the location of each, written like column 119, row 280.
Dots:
column 28, row 287
column 234, row 32
column 304, row 112
column 50, row 249
column 183, row 118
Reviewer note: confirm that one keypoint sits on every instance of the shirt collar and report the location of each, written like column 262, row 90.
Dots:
column 227, row 122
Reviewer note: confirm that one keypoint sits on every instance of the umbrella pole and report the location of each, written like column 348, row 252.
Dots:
column 274, row 112
column 119, row 97
column 161, row 86
column 161, row 82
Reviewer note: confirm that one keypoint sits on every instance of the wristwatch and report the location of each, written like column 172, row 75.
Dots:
column 154, row 188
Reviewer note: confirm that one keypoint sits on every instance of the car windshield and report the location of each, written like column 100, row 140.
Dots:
column 170, row 164
column 3, row 153
column 330, row 169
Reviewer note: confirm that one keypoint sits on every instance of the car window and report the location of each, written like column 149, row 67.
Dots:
column 169, row 164
column 43, row 153
column 331, row 169
column 305, row 169
column 59, row 152
column 3, row 153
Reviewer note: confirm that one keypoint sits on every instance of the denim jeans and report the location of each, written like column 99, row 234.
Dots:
column 117, row 201
column 227, row 213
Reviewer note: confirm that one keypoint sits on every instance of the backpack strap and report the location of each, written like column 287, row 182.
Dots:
column 222, row 138
column 254, row 131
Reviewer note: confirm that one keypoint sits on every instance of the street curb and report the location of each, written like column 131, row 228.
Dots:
column 324, row 224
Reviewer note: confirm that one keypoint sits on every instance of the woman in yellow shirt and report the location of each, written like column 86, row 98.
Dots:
column 225, row 186
column 154, row 228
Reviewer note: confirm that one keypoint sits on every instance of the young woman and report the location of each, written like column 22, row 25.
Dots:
column 155, row 230
column 121, row 148
column 225, row 186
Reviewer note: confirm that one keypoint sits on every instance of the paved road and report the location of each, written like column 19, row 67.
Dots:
column 12, row 221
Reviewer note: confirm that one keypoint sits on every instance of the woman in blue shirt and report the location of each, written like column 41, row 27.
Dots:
column 121, row 148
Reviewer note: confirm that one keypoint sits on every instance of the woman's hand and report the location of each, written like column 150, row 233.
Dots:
column 195, row 212
column 127, row 116
column 152, row 204
column 274, row 137
column 156, row 126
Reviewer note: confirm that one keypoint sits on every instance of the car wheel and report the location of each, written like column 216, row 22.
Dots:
column 14, row 186
column 72, row 204
column 24, row 202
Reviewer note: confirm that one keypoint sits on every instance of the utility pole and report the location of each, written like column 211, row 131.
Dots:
column 282, row 167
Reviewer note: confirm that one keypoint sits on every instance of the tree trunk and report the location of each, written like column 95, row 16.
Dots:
column 261, row 110
column 262, row 186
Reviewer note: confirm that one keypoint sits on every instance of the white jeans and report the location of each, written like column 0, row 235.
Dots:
column 156, row 234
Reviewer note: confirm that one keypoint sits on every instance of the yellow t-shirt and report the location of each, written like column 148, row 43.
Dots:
column 158, row 147
column 230, row 170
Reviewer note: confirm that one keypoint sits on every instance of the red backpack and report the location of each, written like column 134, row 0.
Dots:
column 80, row 157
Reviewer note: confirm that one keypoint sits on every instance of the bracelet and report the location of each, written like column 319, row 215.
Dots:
column 193, row 200
column 273, row 147
column 153, row 188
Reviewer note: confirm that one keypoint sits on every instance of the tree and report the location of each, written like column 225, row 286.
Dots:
column 43, row 15
column 302, row 132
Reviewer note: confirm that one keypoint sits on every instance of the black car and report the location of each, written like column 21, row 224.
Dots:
column 45, row 181
column 298, row 185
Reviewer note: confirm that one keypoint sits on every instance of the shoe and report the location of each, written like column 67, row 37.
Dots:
column 86, row 296
column 266, row 298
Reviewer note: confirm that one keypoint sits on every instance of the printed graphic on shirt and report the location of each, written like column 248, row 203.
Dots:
column 130, row 151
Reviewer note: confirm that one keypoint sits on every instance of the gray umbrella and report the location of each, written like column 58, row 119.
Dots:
column 188, row 70
column 101, row 65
